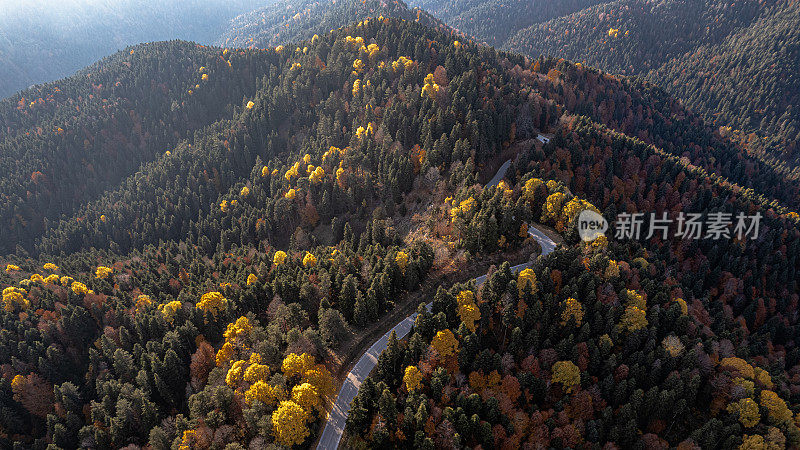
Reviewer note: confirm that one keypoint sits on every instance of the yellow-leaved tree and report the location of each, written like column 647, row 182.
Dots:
column 169, row 310
column 777, row 411
column 212, row 302
column 103, row 272
column 289, row 423
column 552, row 206
column 51, row 279
column 322, row 380
column 430, row 88
column 279, row 258
column 309, row 260
column 753, row 442
column 402, row 260
column 402, row 63
column 295, row 364
column 362, row 132
column 574, row 207
column 14, row 297
column 526, row 279
column 633, row 318
column 317, row 175
column 80, row 288
column 747, row 411
column 738, row 365
column 463, row 208
column 566, row 373
column 234, row 376
column 412, row 378
column 636, row 299
column 263, row 392
column 612, row 269
column 256, row 371
column 468, row 311
column 372, row 50
column 292, row 172
column 358, row 66
column 341, row 177
column 445, row 343
column 225, row 354
column 142, row 302
column 572, row 309
column 306, row 395
column 530, row 187
column 763, row 377
column 237, row 329
column 684, row 307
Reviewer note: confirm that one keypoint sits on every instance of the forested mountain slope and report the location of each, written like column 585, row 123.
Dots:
column 637, row 109
column 64, row 143
column 748, row 82
column 735, row 63
column 201, row 299
column 494, row 21
column 206, row 222
column 291, row 21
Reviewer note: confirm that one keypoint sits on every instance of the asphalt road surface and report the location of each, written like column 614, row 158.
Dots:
column 337, row 418
column 501, row 172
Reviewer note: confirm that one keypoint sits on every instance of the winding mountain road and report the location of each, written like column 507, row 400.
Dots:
column 334, row 427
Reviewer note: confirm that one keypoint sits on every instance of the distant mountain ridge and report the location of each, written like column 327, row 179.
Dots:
column 295, row 20
column 734, row 62
column 494, row 21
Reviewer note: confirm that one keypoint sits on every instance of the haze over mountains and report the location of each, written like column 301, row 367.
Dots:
column 197, row 241
column 43, row 40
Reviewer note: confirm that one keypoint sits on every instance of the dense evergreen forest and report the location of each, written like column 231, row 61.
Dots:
column 732, row 62
column 199, row 237
column 65, row 143
column 494, row 21
column 291, row 21
column 735, row 63
column 644, row 344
